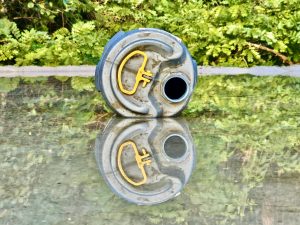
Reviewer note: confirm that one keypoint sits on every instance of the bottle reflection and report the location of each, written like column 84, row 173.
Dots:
column 146, row 161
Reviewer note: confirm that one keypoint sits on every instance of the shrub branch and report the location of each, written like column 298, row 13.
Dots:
column 281, row 56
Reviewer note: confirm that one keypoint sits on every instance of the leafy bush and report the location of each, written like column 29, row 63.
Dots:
column 82, row 45
column 46, row 15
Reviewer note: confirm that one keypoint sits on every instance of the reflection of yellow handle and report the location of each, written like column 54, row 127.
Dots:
column 139, row 160
column 139, row 76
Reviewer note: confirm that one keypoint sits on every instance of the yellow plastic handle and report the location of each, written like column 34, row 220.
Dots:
column 139, row 160
column 139, row 76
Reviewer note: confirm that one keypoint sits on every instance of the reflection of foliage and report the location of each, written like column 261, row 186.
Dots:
column 47, row 134
column 235, row 158
column 234, row 96
column 258, row 121
column 81, row 106
column 273, row 98
column 6, row 85
column 40, row 130
column 267, row 108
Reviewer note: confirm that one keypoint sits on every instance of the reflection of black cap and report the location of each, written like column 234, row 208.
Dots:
column 134, row 157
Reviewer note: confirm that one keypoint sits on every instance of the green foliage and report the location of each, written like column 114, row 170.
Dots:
column 82, row 45
column 46, row 15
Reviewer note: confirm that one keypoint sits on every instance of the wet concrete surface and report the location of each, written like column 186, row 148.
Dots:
column 49, row 174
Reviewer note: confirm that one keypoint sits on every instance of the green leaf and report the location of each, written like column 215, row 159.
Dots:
column 30, row 5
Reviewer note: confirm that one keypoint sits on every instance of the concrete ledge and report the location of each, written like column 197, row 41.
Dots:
column 45, row 71
column 89, row 71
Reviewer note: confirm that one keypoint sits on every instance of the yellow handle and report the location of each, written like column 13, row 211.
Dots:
column 139, row 76
column 139, row 160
